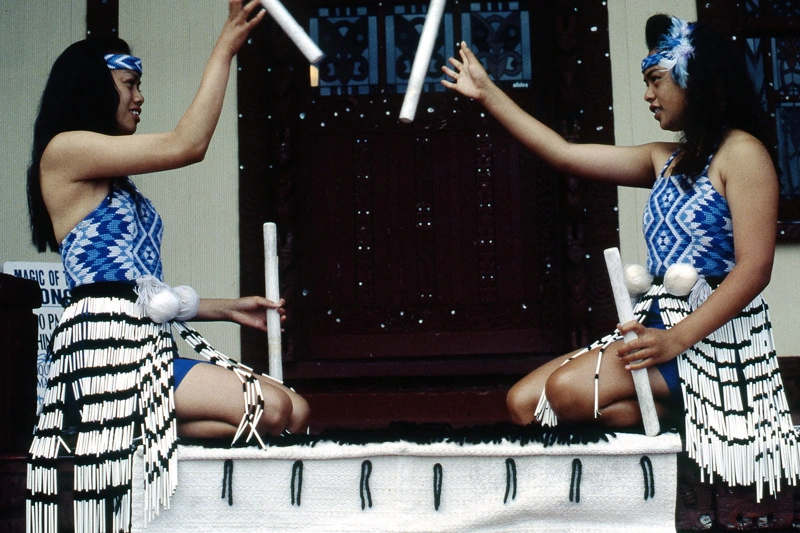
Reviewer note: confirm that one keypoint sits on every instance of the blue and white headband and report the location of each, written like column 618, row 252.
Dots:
column 673, row 51
column 123, row 62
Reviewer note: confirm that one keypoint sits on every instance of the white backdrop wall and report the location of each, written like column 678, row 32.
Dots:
column 199, row 203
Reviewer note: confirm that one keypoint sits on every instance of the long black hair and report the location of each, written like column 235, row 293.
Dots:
column 80, row 94
column 719, row 93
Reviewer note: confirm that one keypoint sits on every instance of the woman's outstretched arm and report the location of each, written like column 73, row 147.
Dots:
column 104, row 156
column 634, row 166
column 247, row 311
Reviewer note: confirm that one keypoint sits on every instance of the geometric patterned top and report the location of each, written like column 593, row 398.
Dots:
column 119, row 241
column 687, row 221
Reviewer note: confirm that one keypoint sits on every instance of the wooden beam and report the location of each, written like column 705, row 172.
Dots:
column 102, row 18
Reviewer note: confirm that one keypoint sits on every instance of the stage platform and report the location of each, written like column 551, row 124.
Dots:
column 438, row 480
column 697, row 506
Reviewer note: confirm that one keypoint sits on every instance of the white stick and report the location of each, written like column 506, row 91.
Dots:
column 625, row 312
column 422, row 60
column 273, row 292
column 295, row 32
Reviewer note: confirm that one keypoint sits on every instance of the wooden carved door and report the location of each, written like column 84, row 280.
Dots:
column 427, row 266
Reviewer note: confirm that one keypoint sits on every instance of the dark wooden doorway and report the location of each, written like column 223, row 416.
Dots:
column 427, row 266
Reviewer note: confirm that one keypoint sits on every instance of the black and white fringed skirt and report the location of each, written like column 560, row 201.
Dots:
column 737, row 425
column 117, row 365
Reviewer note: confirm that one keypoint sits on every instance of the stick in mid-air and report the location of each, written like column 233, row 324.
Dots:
column 422, row 60
column 295, row 32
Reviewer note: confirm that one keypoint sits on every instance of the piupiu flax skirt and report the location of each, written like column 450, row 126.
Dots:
column 737, row 422
column 117, row 365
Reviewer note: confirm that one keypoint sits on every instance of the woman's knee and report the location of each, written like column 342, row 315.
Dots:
column 277, row 413
column 521, row 404
column 301, row 411
column 569, row 397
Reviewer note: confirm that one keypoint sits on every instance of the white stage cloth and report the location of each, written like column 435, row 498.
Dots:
column 627, row 483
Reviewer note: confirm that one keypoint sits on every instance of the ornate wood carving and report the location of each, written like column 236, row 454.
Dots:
column 752, row 25
column 414, row 253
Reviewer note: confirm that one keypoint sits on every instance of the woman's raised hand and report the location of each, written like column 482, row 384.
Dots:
column 240, row 23
column 471, row 79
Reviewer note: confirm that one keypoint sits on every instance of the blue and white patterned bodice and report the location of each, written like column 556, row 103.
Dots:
column 119, row 241
column 687, row 221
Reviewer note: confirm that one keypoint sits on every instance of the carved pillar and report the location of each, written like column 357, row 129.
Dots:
column 583, row 115
column 102, row 17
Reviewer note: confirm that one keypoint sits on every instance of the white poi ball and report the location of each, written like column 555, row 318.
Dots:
column 162, row 306
column 637, row 279
column 190, row 302
column 680, row 278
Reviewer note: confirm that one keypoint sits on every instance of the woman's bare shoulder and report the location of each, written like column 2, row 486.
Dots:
column 66, row 150
column 741, row 150
column 742, row 157
column 660, row 152
column 736, row 141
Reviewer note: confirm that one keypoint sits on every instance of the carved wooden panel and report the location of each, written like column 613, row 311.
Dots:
column 439, row 253
column 766, row 33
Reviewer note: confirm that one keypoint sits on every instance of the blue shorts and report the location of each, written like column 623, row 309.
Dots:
column 669, row 370
column 181, row 367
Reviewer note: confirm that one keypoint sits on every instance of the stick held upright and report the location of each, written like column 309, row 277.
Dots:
column 273, row 292
column 625, row 311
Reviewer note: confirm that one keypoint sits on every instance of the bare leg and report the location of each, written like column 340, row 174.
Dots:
column 298, row 422
column 522, row 399
column 206, row 429
column 570, row 391
column 209, row 404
